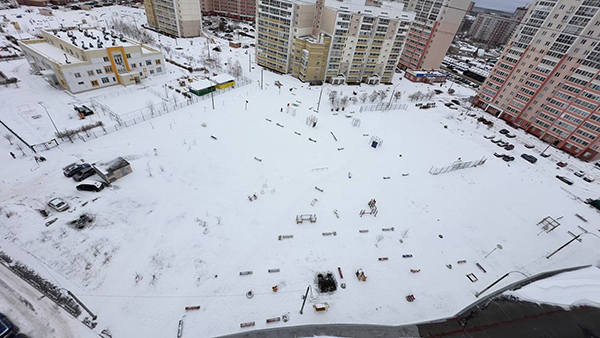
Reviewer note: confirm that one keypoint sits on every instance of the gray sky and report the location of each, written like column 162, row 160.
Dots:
column 503, row 5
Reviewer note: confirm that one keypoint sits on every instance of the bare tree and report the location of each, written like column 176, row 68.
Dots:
column 373, row 96
column 9, row 138
column 382, row 95
column 333, row 96
column 397, row 96
column 364, row 97
column 150, row 107
column 20, row 147
column 237, row 69
column 344, row 102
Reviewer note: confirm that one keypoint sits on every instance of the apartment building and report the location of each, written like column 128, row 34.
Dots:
column 82, row 59
column 333, row 41
column 237, row 9
column 179, row 18
column 430, row 35
column 495, row 30
column 548, row 78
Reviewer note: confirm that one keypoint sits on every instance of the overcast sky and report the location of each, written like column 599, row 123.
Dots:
column 503, row 5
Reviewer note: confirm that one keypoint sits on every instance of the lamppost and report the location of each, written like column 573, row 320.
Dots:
column 477, row 294
column 569, row 242
column 51, row 120
column 321, row 93
column 393, row 91
column 498, row 246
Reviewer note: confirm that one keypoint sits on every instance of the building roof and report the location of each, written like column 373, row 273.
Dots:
column 385, row 8
column 106, row 167
column 199, row 85
column 222, row 78
column 52, row 52
column 94, row 35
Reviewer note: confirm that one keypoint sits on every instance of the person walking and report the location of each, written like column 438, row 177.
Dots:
column 13, row 155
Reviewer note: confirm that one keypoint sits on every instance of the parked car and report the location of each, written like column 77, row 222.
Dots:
column 509, row 147
column 544, row 155
column 498, row 155
column 7, row 328
column 503, row 131
column 529, row 146
column 74, row 169
column 508, row 158
column 83, row 174
column 561, row 164
column 502, row 144
column 497, row 140
column 579, row 173
column 58, row 204
column 456, row 102
column 489, row 137
column 529, row 158
column 564, row 179
column 509, row 135
column 92, row 186
column 589, row 179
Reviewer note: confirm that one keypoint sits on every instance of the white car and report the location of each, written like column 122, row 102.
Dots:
column 579, row 173
column 58, row 204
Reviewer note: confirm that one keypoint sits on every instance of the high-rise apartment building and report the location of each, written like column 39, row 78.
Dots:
column 330, row 40
column 495, row 30
column 236, row 9
column 430, row 35
column 179, row 18
column 548, row 78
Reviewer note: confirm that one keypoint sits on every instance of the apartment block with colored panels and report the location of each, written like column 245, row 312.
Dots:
column 431, row 33
column 83, row 59
column 237, row 9
column 333, row 41
column 548, row 78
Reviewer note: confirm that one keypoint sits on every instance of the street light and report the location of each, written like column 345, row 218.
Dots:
column 498, row 246
column 321, row 93
column 393, row 91
column 477, row 294
column 51, row 120
column 569, row 242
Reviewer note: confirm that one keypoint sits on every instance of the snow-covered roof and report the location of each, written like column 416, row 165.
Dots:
column 107, row 167
column 94, row 35
column 390, row 9
column 200, row 85
column 53, row 53
column 222, row 78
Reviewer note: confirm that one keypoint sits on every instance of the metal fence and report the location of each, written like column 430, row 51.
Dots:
column 384, row 106
column 150, row 112
column 456, row 166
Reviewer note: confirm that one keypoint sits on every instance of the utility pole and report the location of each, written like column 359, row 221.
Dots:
column 261, row 80
column 51, row 120
column 249, row 63
column 208, row 46
column 321, row 93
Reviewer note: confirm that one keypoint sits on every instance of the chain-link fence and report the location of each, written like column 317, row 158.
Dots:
column 456, row 166
column 384, row 106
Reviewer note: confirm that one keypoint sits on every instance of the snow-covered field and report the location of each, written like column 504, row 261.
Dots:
column 179, row 230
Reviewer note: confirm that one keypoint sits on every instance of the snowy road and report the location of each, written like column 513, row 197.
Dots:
column 34, row 315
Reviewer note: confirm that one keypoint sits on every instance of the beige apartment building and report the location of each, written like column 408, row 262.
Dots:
column 179, row 18
column 82, row 59
column 432, row 31
column 548, row 78
column 333, row 41
column 493, row 29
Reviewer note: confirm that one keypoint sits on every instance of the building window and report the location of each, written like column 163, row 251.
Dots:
column 77, row 75
column 114, row 79
column 106, row 59
column 95, row 83
column 151, row 71
column 98, row 71
column 148, row 62
column 157, row 62
column 80, row 83
column 158, row 69
column 90, row 72
column 105, row 80
column 128, row 56
column 108, row 69
column 133, row 65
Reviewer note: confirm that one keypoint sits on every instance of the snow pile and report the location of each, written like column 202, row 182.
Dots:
column 576, row 288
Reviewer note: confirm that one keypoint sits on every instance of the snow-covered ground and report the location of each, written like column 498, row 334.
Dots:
column 179, row 230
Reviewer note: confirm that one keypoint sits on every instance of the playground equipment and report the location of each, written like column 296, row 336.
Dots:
column 355, row 122
column 373, row 209
column 375, row 142
column 306, row 217
column 311, row 121
column 548, row 224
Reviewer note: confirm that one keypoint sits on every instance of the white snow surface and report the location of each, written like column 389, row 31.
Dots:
column 575, row 288
column 183, row 224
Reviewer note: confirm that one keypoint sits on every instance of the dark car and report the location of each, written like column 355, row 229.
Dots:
column 561, row 164
column 508, row 158
column 456, row 102
column 509, row 135
column 509, row 147
column 529, row 158
column 498, row 155
column 83, row 174
column 74, row 169
column 503, row 131
column 92, row 186
column 7, row 328
column 564, row 179
column 55, row 7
